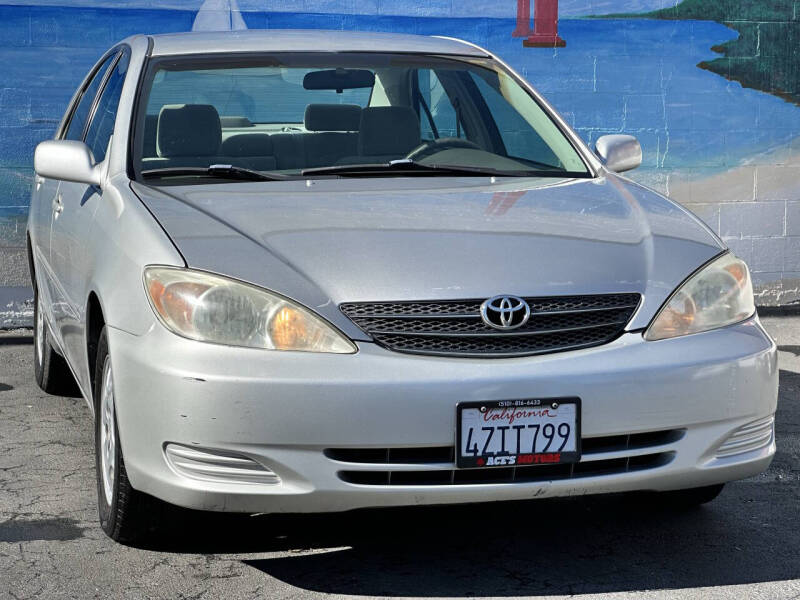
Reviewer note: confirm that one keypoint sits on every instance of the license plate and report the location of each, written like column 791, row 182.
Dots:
column 518, row 432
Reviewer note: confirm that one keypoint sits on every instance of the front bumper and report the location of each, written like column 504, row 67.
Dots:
column 284, row 409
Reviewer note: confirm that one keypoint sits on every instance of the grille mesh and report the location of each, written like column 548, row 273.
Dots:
column 454, row 327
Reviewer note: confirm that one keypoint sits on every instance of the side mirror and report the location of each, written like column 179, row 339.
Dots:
column 66, row 160
column 619, row 152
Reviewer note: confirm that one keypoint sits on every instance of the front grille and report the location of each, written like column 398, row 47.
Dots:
column 455, row 327
column 440, row 462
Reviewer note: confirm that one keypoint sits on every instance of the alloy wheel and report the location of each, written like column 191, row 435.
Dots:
column 39, row 331
column 108, row 435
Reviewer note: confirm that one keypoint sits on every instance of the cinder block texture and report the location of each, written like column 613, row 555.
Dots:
column 14, row 267
column 752, row 219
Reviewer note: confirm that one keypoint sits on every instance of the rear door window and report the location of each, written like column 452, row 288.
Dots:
column 80, row 115
column 520, row 139
column 105, row 115
column 439, row 118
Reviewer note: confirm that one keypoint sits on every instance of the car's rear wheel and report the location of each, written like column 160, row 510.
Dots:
column 50, row 369
column 683, row 499
column 126, row 515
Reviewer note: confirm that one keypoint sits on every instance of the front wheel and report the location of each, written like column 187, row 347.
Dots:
column 125, row 514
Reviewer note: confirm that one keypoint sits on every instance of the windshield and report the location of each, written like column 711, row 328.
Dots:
column 326, row 114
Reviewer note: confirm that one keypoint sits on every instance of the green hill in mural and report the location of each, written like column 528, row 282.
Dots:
column 766, row 55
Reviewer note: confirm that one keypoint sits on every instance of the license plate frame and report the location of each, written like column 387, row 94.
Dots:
column 529, row 459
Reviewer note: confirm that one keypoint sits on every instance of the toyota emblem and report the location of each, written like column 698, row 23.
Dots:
column 505, row 312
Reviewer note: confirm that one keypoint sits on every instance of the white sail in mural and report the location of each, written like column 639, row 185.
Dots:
column 219, row 15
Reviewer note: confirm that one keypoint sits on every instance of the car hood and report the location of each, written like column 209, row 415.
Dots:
column 323, row 242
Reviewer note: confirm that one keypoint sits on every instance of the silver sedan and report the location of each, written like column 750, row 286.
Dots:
column 293, row 273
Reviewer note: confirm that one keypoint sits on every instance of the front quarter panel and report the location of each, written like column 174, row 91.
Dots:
column 125, row 238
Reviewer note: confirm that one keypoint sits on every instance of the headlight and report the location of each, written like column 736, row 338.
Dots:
column 211, row 308
column 720, row 294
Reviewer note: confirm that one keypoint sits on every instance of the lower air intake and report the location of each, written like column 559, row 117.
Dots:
column 596, row 468
column 753, row 436
column 217, row 465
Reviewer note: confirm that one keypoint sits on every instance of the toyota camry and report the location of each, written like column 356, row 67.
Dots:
column 301, row 273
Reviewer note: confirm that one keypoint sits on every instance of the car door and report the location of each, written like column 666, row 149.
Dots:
column 72, row 220
column 43, row 199
column 45, row 196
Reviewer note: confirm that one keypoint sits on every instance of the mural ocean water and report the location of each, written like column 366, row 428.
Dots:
column 719, row 148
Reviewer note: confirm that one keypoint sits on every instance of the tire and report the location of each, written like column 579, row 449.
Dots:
column 49, row 367
column 690, row 498
column 126, row 515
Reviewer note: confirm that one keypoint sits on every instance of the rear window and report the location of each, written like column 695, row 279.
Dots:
column 259, row 94
column 294, row 114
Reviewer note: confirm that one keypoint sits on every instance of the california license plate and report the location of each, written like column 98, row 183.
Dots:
column 518, row 432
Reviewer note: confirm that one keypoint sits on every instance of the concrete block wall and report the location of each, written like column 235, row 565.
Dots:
column 728, row 152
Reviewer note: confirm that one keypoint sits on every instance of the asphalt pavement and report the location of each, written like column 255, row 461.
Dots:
column 745, row 544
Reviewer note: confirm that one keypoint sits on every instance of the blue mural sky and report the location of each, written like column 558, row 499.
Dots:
column 443, row 8
column 636, row 76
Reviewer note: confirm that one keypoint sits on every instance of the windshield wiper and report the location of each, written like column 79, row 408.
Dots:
column 406, row 166
column 216, row 171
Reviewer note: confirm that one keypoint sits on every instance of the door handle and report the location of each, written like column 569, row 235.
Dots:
column 58, row 206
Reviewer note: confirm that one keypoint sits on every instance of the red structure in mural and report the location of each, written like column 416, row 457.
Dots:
column 545, row 24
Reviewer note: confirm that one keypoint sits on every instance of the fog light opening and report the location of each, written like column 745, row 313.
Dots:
column 218, row 465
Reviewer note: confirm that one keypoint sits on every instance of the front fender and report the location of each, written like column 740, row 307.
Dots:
column 123, row 238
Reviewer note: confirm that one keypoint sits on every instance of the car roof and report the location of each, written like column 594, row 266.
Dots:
column 313, row 40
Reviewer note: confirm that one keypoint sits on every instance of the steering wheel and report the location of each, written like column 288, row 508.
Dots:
column 430, row 147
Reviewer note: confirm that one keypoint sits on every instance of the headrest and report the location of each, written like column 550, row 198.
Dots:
column 388, row 130
column 188, row 130
column 150, row 129
column 332, row 117
column 247, row 144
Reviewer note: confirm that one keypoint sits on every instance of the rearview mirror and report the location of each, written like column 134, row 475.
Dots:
column 66, row 160
column 339, row 79
column 619, row 152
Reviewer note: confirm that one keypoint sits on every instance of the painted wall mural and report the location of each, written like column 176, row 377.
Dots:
column 710, row 87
